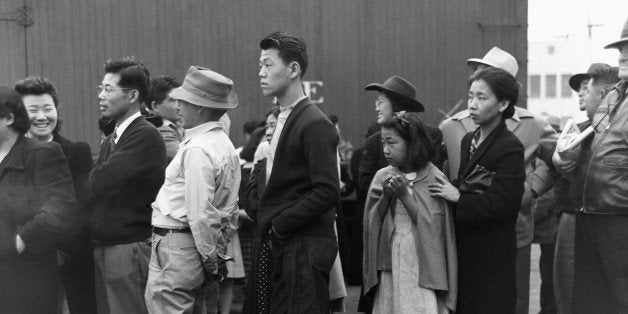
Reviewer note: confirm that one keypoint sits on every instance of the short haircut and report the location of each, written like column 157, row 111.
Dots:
column 11, row 104
column 291, row 48
column 36, row 85
column 502, row 84
column 420, row 148
column 133, row 75
column 159, row 89
column 605, row 76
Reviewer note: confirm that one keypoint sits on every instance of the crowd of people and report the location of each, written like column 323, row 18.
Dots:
column 171, row 216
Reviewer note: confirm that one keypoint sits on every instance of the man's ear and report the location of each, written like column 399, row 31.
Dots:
column 295, row 69
column 135, row 95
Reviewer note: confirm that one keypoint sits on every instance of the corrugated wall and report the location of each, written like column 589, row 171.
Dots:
column 350, row 43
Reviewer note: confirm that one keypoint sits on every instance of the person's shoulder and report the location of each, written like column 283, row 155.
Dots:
column 375, row 137
column 455, row 120
column 64, row 142
column 507, row 139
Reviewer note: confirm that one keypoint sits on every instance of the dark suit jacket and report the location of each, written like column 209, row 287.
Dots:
column 79, row 156
column 303, row 189
column 124, row 182
column 485, row 224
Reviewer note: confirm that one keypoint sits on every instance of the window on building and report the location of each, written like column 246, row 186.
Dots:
column 535, row 86
column 565, row 89
column 550, row 86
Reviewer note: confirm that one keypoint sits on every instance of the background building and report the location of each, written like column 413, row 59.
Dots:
column 350, row 44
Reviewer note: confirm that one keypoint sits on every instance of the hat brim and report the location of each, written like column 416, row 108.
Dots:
column 473, row 61
column 411, row 105
column 616, row 44
column 183, row 94
column 576, row 79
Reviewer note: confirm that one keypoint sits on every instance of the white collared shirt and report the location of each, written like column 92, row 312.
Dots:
column 201, row 189
column 281, row 121
column 125, row 124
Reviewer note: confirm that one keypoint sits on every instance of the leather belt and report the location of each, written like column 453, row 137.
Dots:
column 163, row 231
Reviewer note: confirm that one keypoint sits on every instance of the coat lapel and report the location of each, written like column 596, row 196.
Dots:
column 13, row 160
column 480, row 150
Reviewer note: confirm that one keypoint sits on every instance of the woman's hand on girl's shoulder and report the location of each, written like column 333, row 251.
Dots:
column 444, row 189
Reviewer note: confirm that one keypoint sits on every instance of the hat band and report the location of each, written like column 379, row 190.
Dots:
column 201, row 93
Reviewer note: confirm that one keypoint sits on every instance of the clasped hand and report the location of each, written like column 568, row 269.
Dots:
column 395, row 184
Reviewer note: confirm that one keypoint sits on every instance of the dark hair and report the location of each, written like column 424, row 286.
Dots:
column 133, row 74
column 248, row 151
column 420, row 148
column 291, row 48
column 36, row 85
column 502, row 84
column 11, row 104
column 605, row 76
column 159, row 89
column 274, row 111
column 249, row 126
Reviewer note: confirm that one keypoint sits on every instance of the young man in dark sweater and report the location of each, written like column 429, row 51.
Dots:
column 293, row 194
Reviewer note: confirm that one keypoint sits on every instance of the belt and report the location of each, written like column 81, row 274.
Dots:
column 163, row 231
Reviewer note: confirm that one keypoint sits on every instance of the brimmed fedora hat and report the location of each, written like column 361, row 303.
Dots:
column 576, row 79
column 498, row 58
column 399, row 86
column 206, row 88
column 623, row 37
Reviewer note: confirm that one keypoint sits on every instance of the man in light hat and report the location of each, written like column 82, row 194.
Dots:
column 195, row 212
column 601, row 249
column 531, row 131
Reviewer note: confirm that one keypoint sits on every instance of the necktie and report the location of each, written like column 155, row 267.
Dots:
column 112, row 140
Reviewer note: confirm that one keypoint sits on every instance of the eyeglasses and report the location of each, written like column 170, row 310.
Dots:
column 108, row 89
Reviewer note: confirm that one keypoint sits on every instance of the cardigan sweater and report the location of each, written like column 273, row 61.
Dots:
column 124, row 182
column 303, row 189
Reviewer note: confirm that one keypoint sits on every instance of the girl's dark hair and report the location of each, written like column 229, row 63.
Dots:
column 11, row 104
column 502, row 84
column 274, row 111
column 420, row 148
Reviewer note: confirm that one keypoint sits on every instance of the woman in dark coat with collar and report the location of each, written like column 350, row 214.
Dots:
column 37, row 212
column 77, row 272
column 487, row 197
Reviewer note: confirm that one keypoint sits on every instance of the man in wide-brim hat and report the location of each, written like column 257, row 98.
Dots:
column 601, row 248
column 578, row 82
column 195, row 213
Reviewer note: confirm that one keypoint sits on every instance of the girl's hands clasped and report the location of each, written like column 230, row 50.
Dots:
column 444, row 189
column 396, row 184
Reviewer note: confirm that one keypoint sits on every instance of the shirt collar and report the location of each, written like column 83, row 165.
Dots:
column 203, row 128
column 125, row 124
column 294, row 104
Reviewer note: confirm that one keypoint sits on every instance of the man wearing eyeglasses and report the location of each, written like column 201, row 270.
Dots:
column 122, row 185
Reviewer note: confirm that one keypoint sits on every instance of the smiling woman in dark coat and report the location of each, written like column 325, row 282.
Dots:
column 487, row 197
column 37, row 212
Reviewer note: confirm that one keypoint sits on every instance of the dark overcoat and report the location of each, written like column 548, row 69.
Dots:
column 36, row 202
column 485, row 224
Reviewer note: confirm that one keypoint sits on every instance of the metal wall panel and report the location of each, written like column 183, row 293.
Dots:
column 350, row 44
column 13, row 47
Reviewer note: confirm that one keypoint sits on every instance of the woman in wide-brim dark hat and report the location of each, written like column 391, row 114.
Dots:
column 394, row 95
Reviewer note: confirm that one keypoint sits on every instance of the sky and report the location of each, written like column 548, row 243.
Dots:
column 559, row 20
